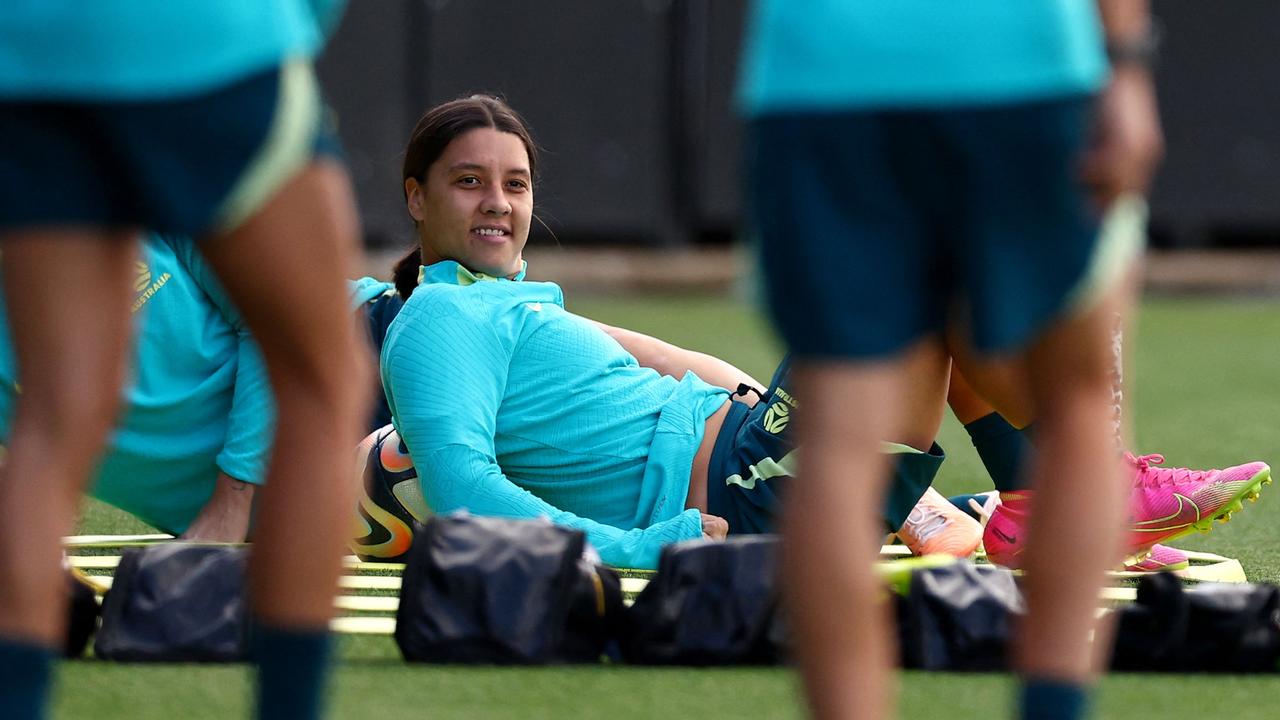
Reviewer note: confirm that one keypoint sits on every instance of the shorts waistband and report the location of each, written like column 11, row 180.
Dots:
column 718, row 502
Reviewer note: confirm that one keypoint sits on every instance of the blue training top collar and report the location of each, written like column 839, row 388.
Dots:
column 451, row 272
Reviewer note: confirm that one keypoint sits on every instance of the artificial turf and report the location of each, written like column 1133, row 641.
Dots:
column 1204, row 382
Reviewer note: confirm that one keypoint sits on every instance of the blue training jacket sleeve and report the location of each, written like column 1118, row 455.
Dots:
column 456, row 477
column 251, row 423
column 445, row 379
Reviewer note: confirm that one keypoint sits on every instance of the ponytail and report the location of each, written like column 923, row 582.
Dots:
column 405, row 272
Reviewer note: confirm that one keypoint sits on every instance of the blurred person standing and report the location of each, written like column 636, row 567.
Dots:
column 197, row 119
column 917, row 166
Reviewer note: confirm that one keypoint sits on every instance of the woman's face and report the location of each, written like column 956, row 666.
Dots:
column 476, row 203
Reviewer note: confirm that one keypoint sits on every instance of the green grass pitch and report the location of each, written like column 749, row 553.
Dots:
column 1204, row 387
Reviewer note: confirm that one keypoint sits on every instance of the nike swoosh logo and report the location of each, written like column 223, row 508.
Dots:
column 1186, row 514
column 1012, row 540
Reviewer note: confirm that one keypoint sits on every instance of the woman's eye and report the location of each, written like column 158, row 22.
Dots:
column 469, row 180
column 518, row 185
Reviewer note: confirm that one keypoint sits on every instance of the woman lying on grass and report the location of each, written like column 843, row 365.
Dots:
column 512, row 406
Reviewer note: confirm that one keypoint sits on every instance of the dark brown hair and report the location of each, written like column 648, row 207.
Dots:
column 435, row 130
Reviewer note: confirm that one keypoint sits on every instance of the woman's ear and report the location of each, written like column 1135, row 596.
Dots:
column 413, row 198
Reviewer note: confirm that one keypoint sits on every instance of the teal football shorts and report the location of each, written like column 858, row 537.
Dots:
column 193, row 165
column 878, row 228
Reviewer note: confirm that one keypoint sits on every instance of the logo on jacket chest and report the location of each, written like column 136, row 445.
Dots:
column 146, row 285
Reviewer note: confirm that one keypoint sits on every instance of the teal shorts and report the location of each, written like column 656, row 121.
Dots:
column 754, row 459
column 879, row 228
column 192, row 166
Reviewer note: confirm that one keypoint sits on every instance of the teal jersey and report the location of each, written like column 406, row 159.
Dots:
column 148, row 49
column 512, row 406
column 832, row 55
column 198, row 401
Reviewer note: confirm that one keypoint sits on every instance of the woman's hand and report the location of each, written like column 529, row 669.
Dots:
column 1127, row 143
column 714, row 527
column 225, row 518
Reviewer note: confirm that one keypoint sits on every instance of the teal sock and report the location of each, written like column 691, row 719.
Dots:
column 913, row 473
column 292, row 668
column 25, row 673
column 1003, row 450
column 962, row 502
column 1052, row 700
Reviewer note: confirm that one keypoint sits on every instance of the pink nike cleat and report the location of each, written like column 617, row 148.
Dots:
column 1164, row 504
column 1160, row 557
column 1168, row 503
column 1002, row 536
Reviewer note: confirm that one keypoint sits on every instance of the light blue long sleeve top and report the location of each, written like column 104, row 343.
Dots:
column 132, row 49
column 514, row 407
column 834, row 55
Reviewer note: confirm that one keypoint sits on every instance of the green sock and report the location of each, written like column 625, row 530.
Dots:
column 25, row 673
column 292, row 666
column 1003, row 449
column 1052, row 700
column 962, row 502
column 913, row 473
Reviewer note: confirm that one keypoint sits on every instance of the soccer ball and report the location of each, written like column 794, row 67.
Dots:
column 392, row 499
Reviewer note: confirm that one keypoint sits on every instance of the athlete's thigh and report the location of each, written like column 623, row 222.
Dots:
column 286, row 267
column 67, row 293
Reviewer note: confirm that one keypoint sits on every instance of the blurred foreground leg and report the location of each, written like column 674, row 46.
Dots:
column 1080, row 494
column 832, row 532
column 68, row 294
column 286, row 269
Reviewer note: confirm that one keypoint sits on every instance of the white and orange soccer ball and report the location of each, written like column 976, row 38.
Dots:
column 392, row 498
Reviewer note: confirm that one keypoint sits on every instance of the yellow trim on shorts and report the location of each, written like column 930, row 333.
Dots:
column 1122, row 238
column 287, row 149
column 893, row 448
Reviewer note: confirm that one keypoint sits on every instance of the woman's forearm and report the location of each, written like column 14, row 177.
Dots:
column 675, row 361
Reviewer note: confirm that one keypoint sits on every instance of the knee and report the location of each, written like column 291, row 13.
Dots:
column 338, row 379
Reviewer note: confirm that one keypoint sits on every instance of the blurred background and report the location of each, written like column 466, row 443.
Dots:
column 632, row 102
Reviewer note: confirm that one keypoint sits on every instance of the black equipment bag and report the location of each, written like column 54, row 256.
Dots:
column 176, row 603
column 958, row 617
column 1218, row 627
column 509, row 592
column 711, row 603
column 82, row 616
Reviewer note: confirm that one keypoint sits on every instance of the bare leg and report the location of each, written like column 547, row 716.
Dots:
column 842, row 629
column 964, row 400
column 286, row 268
column 1080, row 493
column 922, row 396
column 979, row 384
column 1002, row 383
column 68, row 294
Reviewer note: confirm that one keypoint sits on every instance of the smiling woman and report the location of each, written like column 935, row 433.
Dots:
column 468, row 185
column 512, row 406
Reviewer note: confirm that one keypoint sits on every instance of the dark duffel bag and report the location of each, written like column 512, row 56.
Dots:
column 710, row 603
column 509, row 592
column 82, row 616
column 958, row 617
column 1219, row 627
column 176, row 603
